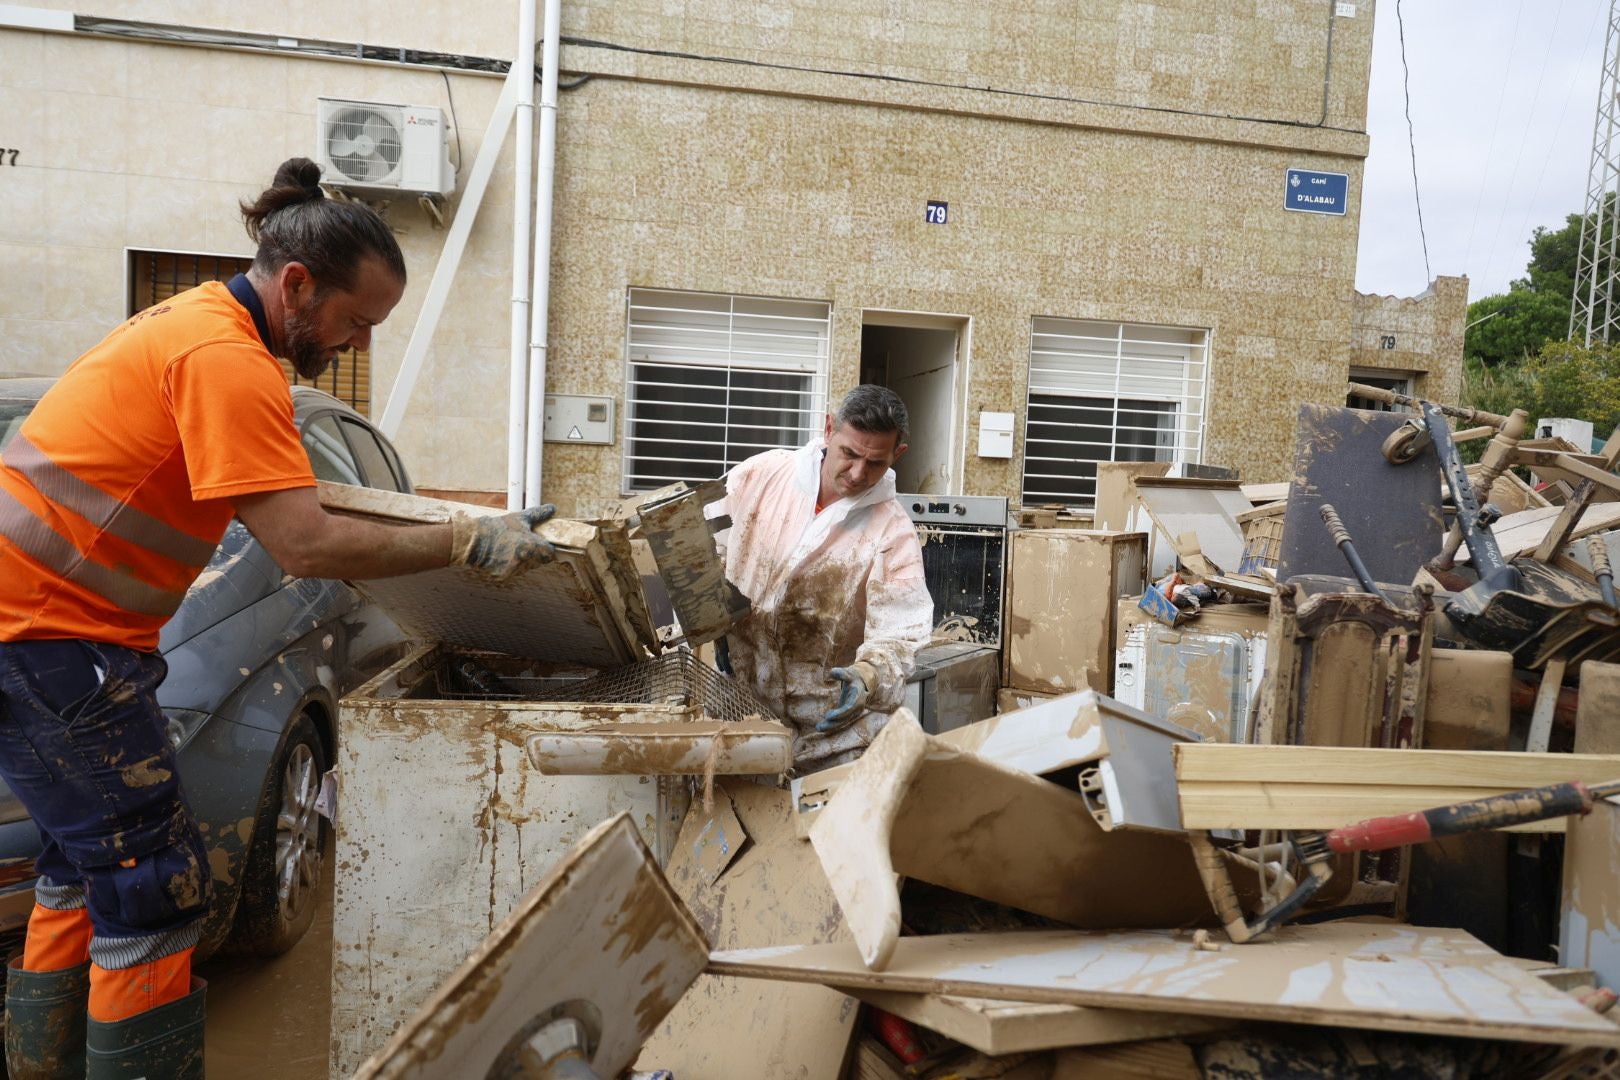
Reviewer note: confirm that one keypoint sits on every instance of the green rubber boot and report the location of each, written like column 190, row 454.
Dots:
column 165, row 1042
column 45, row 1022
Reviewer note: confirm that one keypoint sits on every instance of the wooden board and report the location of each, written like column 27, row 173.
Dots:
column 1225, row 786
column 770, row 890
column 1061, row 588
column 1379, row 976
column 1000, row 834
column 1589, row 931
column 1519, row 534
column 1116, row 491
column 602, row 938
column 1010, row 1027
column 1392, row 511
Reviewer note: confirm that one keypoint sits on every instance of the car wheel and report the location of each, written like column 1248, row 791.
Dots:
column 282, row 875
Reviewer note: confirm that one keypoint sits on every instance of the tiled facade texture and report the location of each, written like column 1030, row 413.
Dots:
column 1417, row 335
column 1120, row 161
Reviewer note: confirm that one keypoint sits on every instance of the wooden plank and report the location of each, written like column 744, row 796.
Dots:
column 1360, row 975
column 1116, row 491
column 1520, row 534
column 603, row 927
column 1357, row 765
column 771, row 890
column 1589, row 930
column 851, row 837
column 1541, row 717
column 1570, row 514
column 1011, row 1027
column 1272, row 805
column 1275, row 787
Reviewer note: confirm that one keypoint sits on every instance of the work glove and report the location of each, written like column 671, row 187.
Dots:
column 856, row 686
column 499, row 546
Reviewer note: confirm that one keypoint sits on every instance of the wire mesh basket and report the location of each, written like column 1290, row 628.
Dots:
column 676, row 678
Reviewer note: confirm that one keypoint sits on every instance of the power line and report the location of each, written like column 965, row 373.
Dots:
column 1518, row 159
column 1496, row 120
column 1411, row 140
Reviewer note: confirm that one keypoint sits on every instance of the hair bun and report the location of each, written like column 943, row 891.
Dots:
column 300, row 172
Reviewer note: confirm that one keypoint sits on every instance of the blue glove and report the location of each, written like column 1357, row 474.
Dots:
column 852, row 695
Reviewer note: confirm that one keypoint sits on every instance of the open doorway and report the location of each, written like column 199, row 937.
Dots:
column 920, row 357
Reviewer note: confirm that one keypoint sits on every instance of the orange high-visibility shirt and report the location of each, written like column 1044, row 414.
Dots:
column 118, row 487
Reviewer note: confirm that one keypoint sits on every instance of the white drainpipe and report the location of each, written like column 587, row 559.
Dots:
column 539, row 313
column 522, row 217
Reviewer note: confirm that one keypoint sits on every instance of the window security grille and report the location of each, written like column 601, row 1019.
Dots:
column 157, row 275
column 1108, row 392
column 712, row 379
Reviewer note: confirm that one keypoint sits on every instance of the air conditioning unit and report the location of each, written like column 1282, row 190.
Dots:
column 373, row 146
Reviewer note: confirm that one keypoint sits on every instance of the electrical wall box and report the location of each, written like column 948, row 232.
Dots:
column 996, row 434
column 578, row 418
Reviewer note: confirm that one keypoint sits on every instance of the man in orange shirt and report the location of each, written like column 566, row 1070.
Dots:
column 113, row 496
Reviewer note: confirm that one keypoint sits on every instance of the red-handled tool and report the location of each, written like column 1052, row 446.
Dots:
column 1315, row 850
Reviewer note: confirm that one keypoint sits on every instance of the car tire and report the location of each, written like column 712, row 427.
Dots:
column 282, row 874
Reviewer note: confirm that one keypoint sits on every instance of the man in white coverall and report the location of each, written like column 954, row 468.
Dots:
column 834, row 570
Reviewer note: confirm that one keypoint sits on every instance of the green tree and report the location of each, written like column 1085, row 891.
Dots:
column 1564, row 379
column 1513, row 327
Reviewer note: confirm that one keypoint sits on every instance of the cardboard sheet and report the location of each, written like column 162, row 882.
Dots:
column 1377, row 976
column 770, row 889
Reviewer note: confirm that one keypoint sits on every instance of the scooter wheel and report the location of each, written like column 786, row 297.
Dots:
column 1403, row 444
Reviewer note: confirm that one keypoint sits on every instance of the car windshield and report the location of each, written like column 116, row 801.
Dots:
column 11, row 418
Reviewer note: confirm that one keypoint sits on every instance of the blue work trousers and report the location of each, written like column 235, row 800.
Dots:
column 84, row 745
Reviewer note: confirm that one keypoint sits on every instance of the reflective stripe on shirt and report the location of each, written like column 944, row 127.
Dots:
column 36, row 539
column 102, row 510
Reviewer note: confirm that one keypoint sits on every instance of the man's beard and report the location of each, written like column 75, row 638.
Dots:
column 303, row 344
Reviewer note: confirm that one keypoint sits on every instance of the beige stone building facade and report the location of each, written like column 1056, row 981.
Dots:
column 1066, row 221
column 1412, row 343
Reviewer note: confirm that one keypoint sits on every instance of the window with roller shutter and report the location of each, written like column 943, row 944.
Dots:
column 154, row 276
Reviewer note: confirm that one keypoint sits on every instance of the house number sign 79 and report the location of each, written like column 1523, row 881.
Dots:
column 938, row 212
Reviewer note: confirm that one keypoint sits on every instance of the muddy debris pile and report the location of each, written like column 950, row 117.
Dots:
column 1303, row 779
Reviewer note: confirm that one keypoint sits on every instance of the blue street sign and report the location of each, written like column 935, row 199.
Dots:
column 1316, row 192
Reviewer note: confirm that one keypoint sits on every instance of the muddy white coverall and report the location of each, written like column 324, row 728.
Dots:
column 827, row 590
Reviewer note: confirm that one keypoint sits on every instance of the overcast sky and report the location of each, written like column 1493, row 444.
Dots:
column 1504, row 94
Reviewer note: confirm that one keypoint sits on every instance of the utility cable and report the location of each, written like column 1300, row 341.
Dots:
column 1591, row 37
column 906, row 80
column 1411, row 140
column 1518, row 158
column 1496, row 121
column 450, row 98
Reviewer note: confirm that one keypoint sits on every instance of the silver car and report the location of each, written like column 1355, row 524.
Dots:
column 257, row 662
